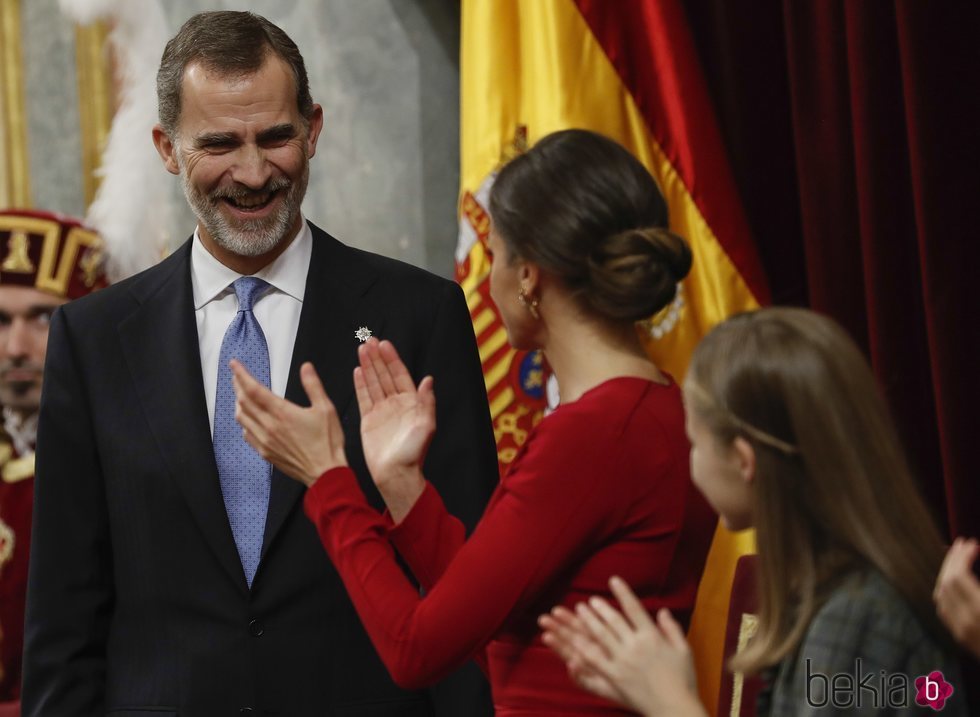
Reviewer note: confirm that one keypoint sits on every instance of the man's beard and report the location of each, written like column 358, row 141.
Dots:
column 249, row 237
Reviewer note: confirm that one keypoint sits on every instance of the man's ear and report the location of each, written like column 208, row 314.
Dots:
column 744, row 459
column 316, row 124
column 166, row 149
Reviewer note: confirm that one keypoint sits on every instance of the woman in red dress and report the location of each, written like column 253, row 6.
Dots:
column 601, row 487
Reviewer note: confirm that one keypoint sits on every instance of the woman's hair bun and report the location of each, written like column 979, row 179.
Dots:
column 634, row 274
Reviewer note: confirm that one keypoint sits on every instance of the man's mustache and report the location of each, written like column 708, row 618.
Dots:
column 20, row 365
column 238, row 192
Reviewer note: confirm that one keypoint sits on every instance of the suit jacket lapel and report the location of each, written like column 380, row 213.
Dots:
column 161, row 347
column 334, row 307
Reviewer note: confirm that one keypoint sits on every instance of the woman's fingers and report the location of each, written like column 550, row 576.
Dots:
column 561, row 628
column 556, row 636
column 671, row 630
column 597, row 627
column 613, row 618
column 380, row 368
column 251, row 389
column 364, row 401
column 371, row 381
column 594, row 655
column 320, row 401
column 590, row 679
column 631, row 604
column 263, row 414
column 400, row 376
column 303, row 442
column 314, row 387
column 427, row 399
column 246, row 406
column 569, row 619
column 253, row 431
column 383, row 373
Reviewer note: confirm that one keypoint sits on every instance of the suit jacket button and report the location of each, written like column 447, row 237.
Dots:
column 255, row 629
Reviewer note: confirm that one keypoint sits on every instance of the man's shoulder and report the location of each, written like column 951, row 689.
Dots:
column 373, row 267
column 120, row 297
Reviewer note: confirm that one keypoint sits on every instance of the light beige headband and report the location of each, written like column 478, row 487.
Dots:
column 757, row 433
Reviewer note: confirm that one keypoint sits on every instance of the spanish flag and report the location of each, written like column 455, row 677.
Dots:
column 629, row 70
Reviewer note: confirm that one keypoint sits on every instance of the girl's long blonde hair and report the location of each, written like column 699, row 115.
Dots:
column 833, row 491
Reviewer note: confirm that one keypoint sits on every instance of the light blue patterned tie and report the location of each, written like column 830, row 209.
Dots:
column 245, row 477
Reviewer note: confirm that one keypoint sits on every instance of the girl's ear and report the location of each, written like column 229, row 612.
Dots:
column 744, row 458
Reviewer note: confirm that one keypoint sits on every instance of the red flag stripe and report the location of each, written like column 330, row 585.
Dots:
column 649, row 44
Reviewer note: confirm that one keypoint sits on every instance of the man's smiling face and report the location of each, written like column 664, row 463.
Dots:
column 242, row 150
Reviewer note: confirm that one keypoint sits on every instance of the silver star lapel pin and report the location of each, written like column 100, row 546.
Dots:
column 362, row 334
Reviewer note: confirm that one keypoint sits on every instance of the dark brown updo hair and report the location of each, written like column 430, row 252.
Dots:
column 586, row 211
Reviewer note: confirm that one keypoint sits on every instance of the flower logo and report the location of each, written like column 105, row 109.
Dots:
column 932, row 690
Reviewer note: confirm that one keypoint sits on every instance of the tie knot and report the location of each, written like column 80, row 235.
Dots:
column 247, row 289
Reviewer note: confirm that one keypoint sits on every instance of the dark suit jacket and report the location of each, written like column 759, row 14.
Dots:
column 137, row 599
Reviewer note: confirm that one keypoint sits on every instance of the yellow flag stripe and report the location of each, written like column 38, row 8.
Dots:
column 492, row 344
column 498, row 371
column 483, row 320
column 499, row 404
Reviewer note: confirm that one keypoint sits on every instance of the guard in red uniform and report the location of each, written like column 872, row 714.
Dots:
column 45, row 261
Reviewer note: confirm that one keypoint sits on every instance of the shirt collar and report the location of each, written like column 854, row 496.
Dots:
column 210, row 278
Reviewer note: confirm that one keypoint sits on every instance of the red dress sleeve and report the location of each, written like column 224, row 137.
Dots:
column 565, row 494
column 428, row 537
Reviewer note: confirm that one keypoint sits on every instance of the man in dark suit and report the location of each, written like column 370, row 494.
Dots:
column 161, row 580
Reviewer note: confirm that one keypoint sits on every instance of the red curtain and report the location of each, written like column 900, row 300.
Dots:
column 852, row 128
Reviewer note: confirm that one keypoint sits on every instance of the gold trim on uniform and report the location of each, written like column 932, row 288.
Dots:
column 57, row 282
column 746, row 630
column 18, row 469
column 18, row 261
column 6, row 543
column 56, row 263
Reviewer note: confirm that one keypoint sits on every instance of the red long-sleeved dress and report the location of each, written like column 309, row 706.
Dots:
column 600, row 488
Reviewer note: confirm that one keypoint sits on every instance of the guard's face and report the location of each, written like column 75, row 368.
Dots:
column 242, row 151
column 24, row 317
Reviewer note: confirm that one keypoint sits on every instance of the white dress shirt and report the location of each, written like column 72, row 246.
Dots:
column 277, row 310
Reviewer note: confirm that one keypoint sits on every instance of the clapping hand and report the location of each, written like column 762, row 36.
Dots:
column 957, row 594
column 626, row 656
column 303, row 443
column 397, row 424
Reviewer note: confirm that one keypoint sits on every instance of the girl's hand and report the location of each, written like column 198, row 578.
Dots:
column 626, row 656
column 957, row 594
